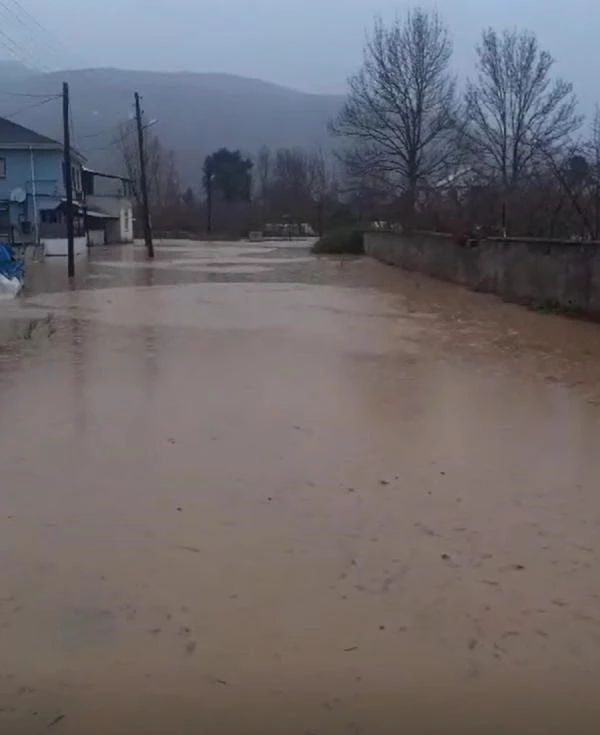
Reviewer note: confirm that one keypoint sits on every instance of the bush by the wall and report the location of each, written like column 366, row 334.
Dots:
column 344, row 240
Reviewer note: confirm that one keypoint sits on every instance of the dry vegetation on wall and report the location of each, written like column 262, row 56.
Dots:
column 508, row 156
column 341, row 241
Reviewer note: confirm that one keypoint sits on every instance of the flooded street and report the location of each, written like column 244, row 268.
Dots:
column 246, row 490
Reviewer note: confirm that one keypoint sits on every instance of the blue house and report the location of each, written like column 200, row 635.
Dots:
column 32, row 190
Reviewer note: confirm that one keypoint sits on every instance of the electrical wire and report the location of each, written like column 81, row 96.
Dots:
column 27, row 20
column 98, row 133
column 98, row 150
column 16, row 113
column 34, row 20
column 17, row 51
column 37, row 38
column 25, row 94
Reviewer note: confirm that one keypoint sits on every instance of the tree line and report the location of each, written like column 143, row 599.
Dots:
column 288, row 189
column 501, row 152
column 505, row 151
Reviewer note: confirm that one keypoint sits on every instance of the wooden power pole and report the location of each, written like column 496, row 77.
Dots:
column 143, row 179
column 209, row 202
column 68, row 183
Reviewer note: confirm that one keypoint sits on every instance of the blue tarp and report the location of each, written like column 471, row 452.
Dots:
column 10, row 266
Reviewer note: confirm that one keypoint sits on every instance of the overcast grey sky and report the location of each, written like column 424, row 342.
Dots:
column 307, row 44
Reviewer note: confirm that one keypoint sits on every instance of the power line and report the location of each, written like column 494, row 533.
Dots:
column 36, row 39
column 98, row 150
column 34, row 20
column 17, row 50
column 16, row 113
column 98, row 133
column 25, row 94
column 25, row 19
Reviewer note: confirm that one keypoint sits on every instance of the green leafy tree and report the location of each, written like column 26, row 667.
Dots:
column 229, row 174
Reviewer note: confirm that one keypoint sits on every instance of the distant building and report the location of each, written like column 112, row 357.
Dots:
column 32, row 190
column 33, row 195
column 108, row 208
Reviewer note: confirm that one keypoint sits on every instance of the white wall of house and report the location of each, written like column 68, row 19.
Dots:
column 59, row 246
column 120, row 230
column 127, row 222
column 96, row 237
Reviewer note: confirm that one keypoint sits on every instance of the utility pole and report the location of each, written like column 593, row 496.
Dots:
column 68, row 183
column 209, row 201
column 143, row 179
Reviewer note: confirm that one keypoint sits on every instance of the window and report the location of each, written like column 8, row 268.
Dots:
column 51, row 216
column 2, row 168
column 76, row 178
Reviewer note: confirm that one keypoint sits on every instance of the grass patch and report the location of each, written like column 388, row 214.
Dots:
column 344, row 240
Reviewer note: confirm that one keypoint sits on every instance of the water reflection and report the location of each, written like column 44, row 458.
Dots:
column 79, row 334
column 244, row 501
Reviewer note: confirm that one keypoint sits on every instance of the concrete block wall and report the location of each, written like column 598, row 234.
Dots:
column 534, row 272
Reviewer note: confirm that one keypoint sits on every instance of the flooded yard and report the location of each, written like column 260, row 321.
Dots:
column 247, row 490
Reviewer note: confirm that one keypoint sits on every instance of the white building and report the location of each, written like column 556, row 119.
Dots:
column 109, row 208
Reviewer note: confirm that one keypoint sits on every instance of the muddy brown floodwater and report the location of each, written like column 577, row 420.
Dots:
column 244, row 490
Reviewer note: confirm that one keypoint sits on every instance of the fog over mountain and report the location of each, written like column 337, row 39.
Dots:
column 195, row 113
column 200, row 63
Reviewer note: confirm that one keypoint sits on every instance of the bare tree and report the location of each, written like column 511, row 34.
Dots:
column 172, row 190
column 401, row 112
column 156, row 162
column 594, row 149
column 321, row 185
column 263, row 169
column 126, row 144
column 290, row 189
column 515, row 109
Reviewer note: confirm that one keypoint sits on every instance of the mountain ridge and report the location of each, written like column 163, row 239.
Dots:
column 197, row 112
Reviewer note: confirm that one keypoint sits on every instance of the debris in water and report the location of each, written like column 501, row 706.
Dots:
column 56, row 720
column 446, row 557
column 349, row 650
column 190, row 647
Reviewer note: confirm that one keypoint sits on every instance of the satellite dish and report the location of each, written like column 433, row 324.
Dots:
column 18, row 195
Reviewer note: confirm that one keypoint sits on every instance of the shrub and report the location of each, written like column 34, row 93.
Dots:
column 344, row 240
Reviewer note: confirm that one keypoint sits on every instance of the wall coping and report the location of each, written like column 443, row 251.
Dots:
column 512, row 239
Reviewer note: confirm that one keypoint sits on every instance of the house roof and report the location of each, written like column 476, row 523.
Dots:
column 93, row 172
column 100, row 214
column 14, row 136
